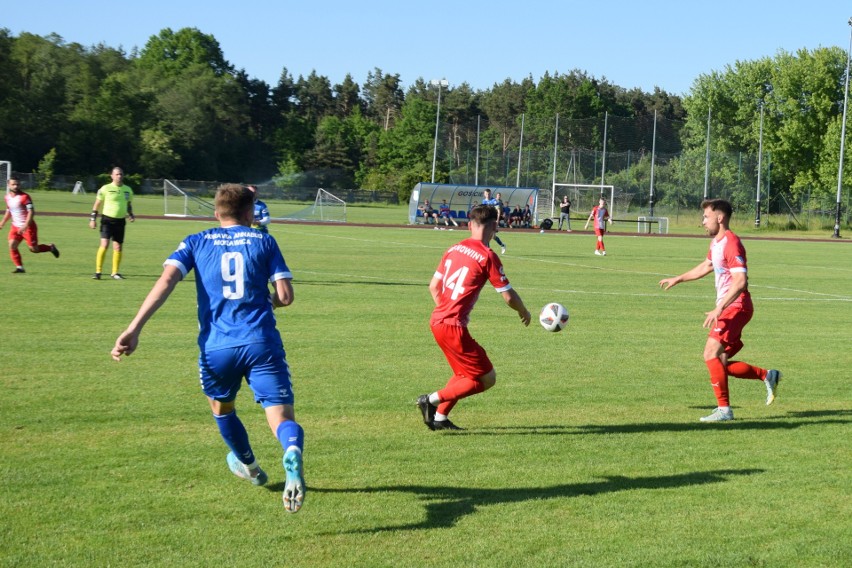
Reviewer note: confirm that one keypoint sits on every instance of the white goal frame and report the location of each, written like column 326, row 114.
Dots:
column 327, row 208
column 178, row 203
column 583, row 197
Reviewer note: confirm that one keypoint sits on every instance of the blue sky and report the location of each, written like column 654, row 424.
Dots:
column 660, row 43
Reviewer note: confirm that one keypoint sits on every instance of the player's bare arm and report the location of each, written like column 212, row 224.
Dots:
column 28, row 222
column 739, row 283
column 94, row 216
column 514, row 301
column 435, row 289
column 700, row 271
column 283, row 295
column 128, row 341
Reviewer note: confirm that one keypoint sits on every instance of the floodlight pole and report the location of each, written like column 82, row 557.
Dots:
column 759, row 166
column 707, row 159
column 653, row 158
column 603, row 157
column 437, row 83
column 476, row 175
column 836, row 234
column 520, row 151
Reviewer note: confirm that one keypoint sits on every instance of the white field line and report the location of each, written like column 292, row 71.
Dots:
column 820, row 296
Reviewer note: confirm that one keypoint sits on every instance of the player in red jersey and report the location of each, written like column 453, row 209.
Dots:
column 19, row 208
column 455, row 287
column 600, row 214
column 727, row 258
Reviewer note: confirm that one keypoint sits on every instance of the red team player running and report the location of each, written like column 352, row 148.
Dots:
column 727, row 258
column 19, row 207
column 455, row 287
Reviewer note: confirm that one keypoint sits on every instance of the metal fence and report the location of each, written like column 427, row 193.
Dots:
column 207, row 189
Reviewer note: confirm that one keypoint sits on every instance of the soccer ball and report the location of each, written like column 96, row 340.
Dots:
column 553, row 317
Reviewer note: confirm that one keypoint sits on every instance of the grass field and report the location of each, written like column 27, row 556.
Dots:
column 588, row 452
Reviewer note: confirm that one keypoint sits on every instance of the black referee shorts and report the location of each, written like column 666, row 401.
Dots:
column 112, row 228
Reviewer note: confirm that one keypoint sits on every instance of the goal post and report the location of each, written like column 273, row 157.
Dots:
column 583, row 198
column 326, row 208
column 178, row 203
column 329, row 207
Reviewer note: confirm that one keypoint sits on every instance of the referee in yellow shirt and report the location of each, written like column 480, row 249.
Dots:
column 117, row 201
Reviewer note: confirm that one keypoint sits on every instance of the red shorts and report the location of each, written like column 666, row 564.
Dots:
column 729, row 327
column 30, row 234
column 600, row 232
column 466, row 357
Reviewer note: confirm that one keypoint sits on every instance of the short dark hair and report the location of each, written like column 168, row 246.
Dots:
column 482, row 214
column 14, row 177
column 718, row 205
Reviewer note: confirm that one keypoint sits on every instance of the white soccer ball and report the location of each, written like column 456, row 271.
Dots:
column 553, row 317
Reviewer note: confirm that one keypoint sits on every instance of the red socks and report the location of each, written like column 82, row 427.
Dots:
column 745, row 371
column 457, row 388
column 718, row 380
column 719, row 376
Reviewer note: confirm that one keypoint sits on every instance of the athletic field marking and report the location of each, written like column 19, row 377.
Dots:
column 826, row 297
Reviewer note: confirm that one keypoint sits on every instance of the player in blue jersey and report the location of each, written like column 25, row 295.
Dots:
column 498, row 205
column 234, row 265
column 261, row 212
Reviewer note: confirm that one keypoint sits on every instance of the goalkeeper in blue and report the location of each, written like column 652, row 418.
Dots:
column 234, row 265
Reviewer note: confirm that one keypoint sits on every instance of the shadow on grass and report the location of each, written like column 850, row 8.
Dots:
column 791, row 421
column 447, row 505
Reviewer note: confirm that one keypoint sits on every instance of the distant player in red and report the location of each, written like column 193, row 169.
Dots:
column 600, row 214
column 19, row 208
column 455, row 287
column 727, row 258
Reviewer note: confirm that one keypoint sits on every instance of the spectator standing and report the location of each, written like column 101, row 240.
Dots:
column 565, row 213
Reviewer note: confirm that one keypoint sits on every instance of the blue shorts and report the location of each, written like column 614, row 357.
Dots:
column 265, row 369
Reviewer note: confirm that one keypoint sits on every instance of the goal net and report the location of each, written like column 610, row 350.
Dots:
column 326, row 207
column 584, row 197
column 178, row 203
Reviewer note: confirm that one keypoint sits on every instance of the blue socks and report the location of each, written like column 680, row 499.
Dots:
column 235, row 436
column 291, row 434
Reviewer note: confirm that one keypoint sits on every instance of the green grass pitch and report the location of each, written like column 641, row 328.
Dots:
column 587, row 452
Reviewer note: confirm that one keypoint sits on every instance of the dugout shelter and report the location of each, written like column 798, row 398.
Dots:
column 461, row 198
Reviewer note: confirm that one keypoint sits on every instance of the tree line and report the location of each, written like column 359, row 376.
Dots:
column 177, row 109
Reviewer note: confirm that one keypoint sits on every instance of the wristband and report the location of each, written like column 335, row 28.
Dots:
column 94, row 216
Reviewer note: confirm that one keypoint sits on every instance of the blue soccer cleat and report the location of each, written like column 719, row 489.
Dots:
column 294, row 486
column 241, row 470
